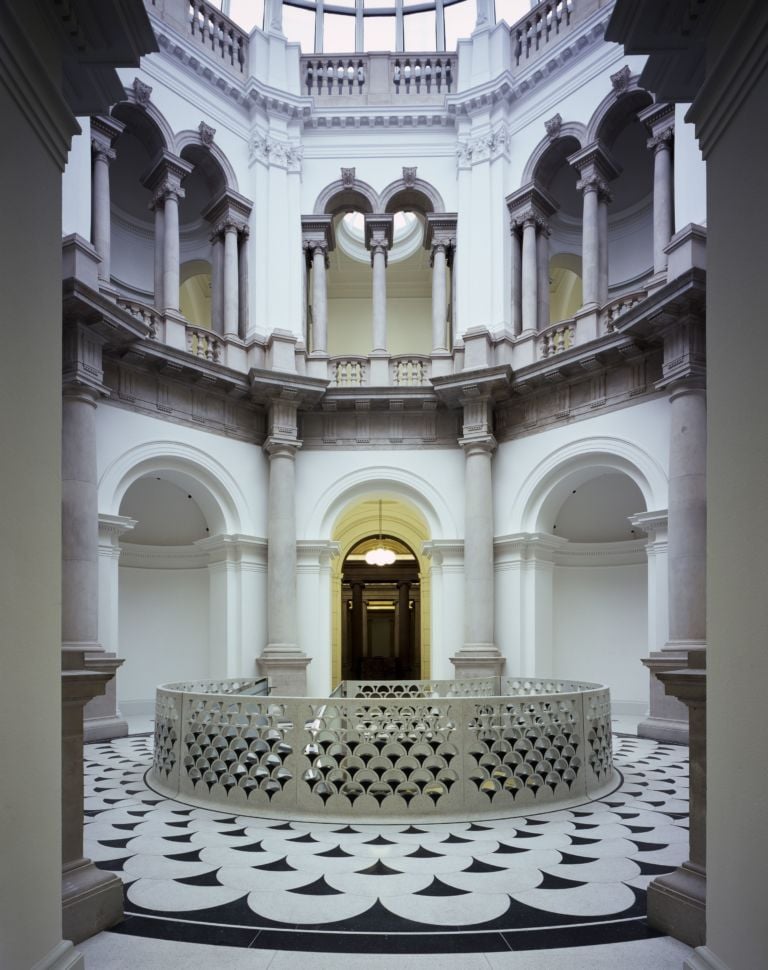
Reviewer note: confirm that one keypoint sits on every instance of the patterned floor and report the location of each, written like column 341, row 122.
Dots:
column 573, row 877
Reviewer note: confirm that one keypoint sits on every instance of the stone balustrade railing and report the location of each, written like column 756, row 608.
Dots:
column 203, row 343
column 613, row 310
column 349, row 371
column 217, row 34
column 425, row 76
column 547, row 22
column 556, row 339
column 409, row 371
column 405, row 750
column 147, row 314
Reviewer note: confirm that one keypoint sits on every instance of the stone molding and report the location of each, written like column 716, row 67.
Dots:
column 271, row 151
column 165, row 175
column 135, row 555
column 314, row 554
column 441, row 231
column 530, row 204
column 229, row 210
column 595, row 166
column 233, row 548
column 82, row 370
column 484, row 148
column 444, row 552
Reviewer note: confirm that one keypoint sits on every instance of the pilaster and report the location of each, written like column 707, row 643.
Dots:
column 318, row 239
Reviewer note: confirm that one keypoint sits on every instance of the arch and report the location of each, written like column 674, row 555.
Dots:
column 146, row 122
column 550, row 153
column 188, row 138
column 416, row 194
column 341, row 196
column 385, row 482
column 210, row 484
column 549, row 483
column 613, row 112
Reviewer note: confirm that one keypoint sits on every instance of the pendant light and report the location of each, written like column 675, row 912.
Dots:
column 380, row 556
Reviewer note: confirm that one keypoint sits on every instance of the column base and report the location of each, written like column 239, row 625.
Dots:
column 92, row 900
column 286, row 667
column 704, row 959
column 677, row 904
column 62, row 957
column 101, row 719
column 668, row 717
column 478, row 660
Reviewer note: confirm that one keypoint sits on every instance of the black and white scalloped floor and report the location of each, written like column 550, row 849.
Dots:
column 563, row 879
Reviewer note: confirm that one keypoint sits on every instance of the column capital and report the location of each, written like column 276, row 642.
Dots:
column 595, row 166
column 478, row 445
column 164, row 176
column 318, row 229
column 279, row 447
column 530, row 204
column 441, row 230
column 316, row 247
column 659, row 119
column 662, row 141
column 104, row 131
column 228, row 210
column 379, row 231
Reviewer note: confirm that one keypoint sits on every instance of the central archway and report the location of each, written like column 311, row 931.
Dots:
column 381, row 614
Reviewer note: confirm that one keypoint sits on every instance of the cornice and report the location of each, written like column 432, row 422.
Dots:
column 135, row 555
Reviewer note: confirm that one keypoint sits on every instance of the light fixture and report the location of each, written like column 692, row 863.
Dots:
column 380, row 556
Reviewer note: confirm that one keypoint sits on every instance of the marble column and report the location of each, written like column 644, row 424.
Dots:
column 164, row 180
column 683, row 378
column 104, row 131
column 529, row 209
column 530, row 290
column 281, row 660
column 439, row 261
column 659, row 119
column 231, row 280
column 479, row 655
column 319, row 298
column 158, row 207
column 378, row 239
column 596, row 169
column 542, row 267
column 91, row 900
column 318, row 240
column 217, row 281
column 590, row 241
column 379, row 297
column 517, row 278
column 242, row 264
column 356, row 646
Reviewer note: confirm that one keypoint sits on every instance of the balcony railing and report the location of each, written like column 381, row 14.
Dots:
column 556, row 339
column 204, row 344
column 409, row 371
column 147, row 314
column 546, row 23
column 613, row 310
column 217, row 34
column 349, row 371
column 379, row 78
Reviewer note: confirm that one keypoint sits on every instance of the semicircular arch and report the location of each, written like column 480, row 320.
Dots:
column 147, row 122
column 551, row 481
column 188, row 138
column 614, row 112
column 210, row 483
column 572, row 137
column 341, row 196
column 416, row 194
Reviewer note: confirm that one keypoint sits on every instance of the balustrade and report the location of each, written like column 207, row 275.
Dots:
column 148, row 315
column 204, row 344
column 545, row 23
column 612, row 311
column 399, row 75
column 349, row 371
column 557, row 339
column 409, row 371
column 219, row 35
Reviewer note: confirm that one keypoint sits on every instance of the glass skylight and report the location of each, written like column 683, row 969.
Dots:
column 347, row 26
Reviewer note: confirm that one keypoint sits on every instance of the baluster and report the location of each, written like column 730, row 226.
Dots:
column 396, row 77
column 417, row 75
column 448, row 74
column 360, row 76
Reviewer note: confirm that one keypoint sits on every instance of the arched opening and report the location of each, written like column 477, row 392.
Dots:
column 132, row 221
column 380, row 614
column 559, row 178
column 195, row 292
column 409, row 288
column 380, row 606
column 600, row 582
column 163, row 586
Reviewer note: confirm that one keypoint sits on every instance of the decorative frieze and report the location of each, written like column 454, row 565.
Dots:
column 484, row 148
column 270, row 151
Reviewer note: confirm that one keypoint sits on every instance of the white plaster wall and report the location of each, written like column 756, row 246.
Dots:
column 163, row 630
column 125, row 437
column 600, row 629
column 350, row 327
column 639, row 431
column 132, row 259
